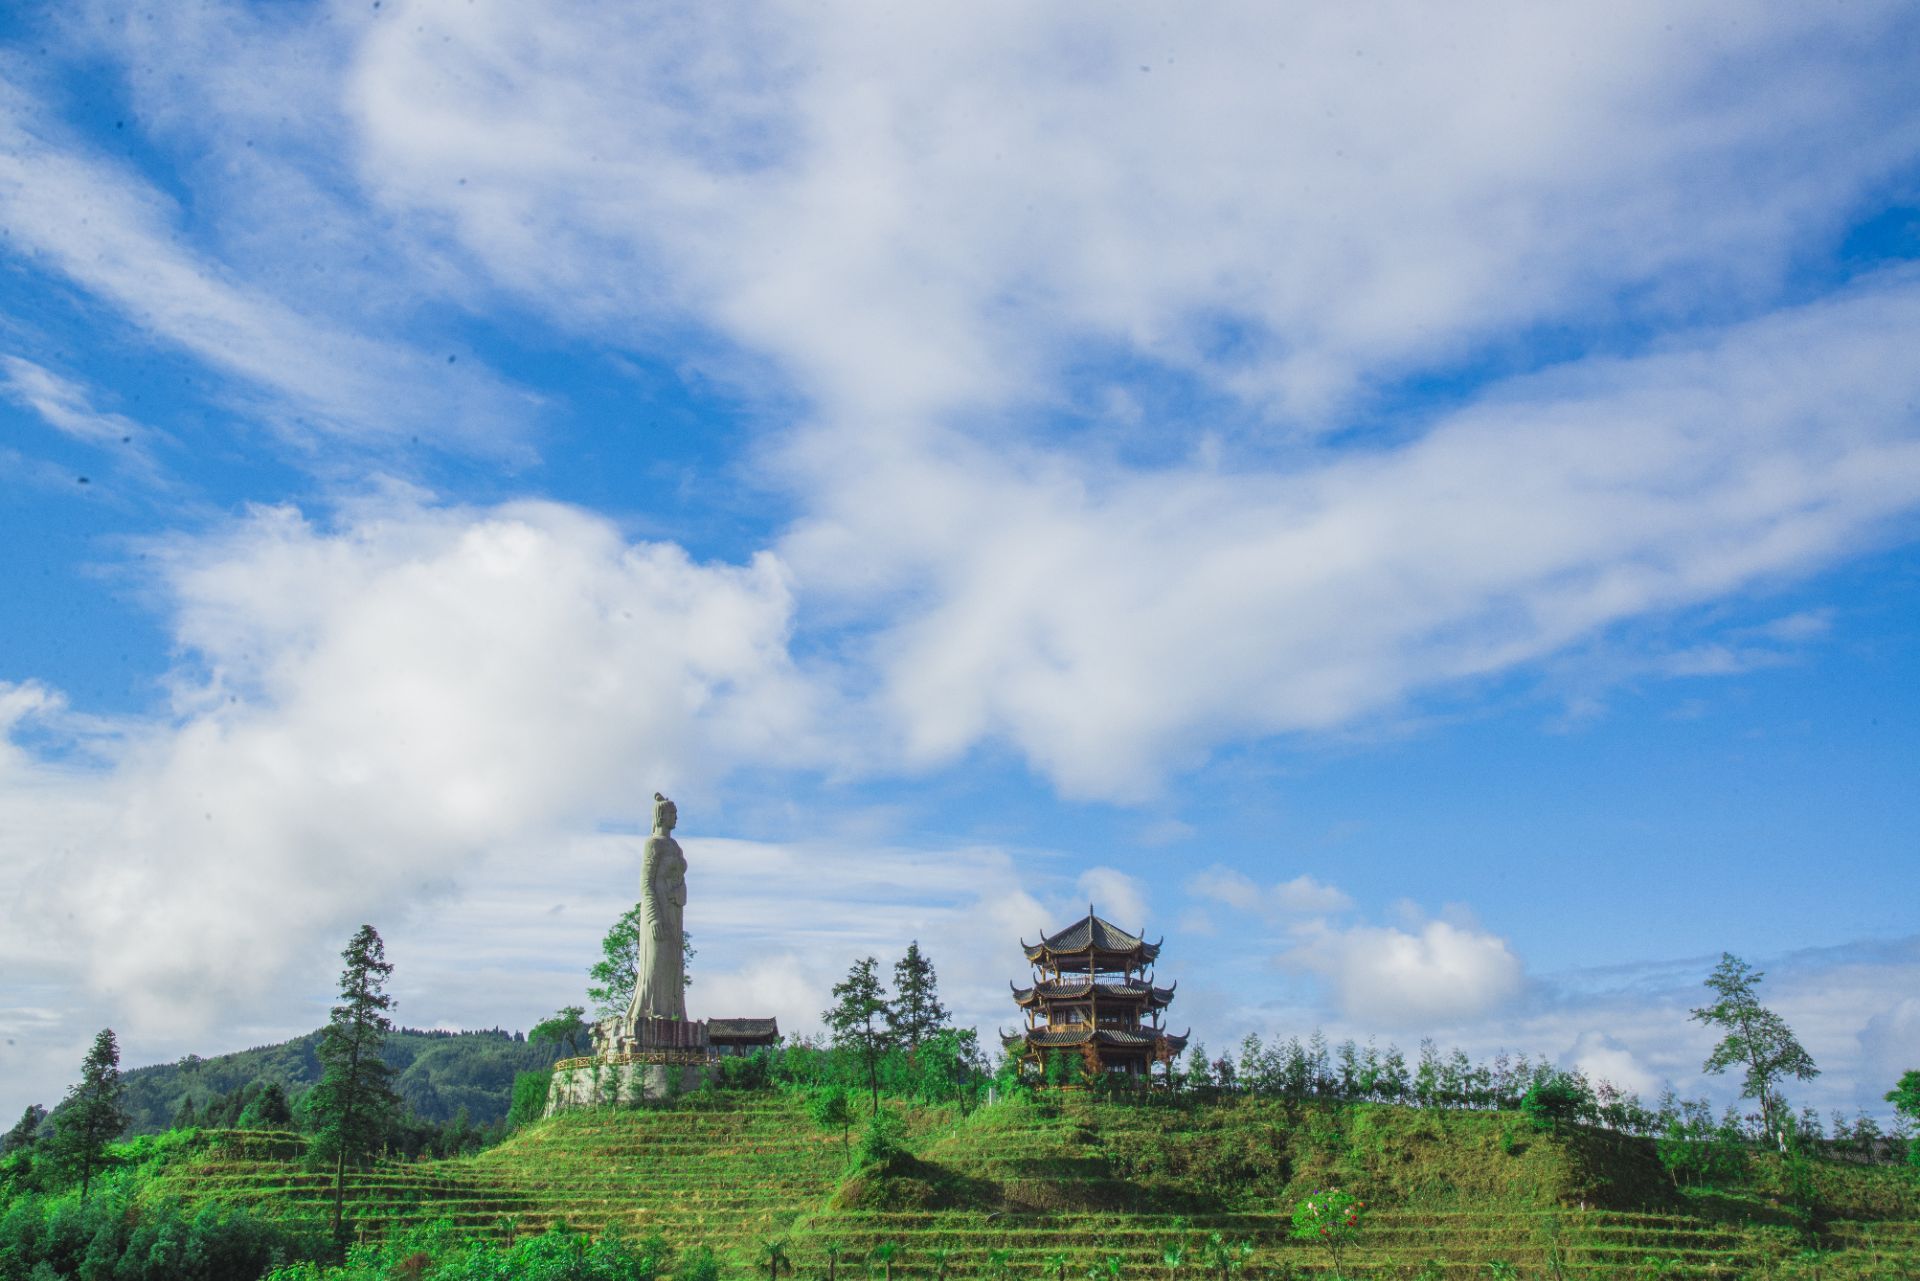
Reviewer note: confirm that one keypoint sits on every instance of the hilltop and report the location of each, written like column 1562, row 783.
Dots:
column 1067, row 1181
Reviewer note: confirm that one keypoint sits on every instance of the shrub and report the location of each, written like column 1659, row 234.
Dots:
column 529, row 1097
column 883, row 1140
column 1557, row 1100
column 1331, row 1219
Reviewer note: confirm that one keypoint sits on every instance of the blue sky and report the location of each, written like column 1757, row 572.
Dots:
column 1418, row 507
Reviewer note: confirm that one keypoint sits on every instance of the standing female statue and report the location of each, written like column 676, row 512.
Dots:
column 661, row 992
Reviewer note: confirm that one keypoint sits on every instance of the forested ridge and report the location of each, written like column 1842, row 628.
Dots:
column 439, row 1073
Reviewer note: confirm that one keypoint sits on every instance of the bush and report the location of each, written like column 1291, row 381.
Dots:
column 1557, row 1100
column 112, row 1235
column 1695, row 1151
column 529, row 1097
column 882, row 1141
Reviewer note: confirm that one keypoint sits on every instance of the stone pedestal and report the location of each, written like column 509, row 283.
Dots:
column 616, row 1084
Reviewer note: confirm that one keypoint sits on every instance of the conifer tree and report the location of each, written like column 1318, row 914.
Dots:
column 354, row 1106
column 916, row 1012
column 92, row 1117
column 858, row 1001
column 25, row 1132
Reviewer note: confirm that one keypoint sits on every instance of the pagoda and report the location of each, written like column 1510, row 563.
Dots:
column 1093, row 996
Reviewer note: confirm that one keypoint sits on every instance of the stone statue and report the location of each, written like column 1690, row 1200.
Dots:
column 661, row 992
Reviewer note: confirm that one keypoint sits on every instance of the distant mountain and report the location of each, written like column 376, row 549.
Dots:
column 440, row 1073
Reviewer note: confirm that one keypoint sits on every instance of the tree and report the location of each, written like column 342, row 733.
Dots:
column 1905, row 1098
column 617, row 973
column 858, row 1001
column 26, row 1131
column 1757, row 1039
column 268, row 1109
column 354, row 1105
column 1556, row 1099
column 916, row 1012
column 829, row 1111
column 568, row 1028
column 92, row 1116
column 775, row 1254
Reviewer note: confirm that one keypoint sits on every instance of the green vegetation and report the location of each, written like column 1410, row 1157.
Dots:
column 91, row 1116
column 438, row 1075
column 1756, row 1039
column 354, row 1106
column 858, row 1000
column 1039, row 1184
column 568, row 1030
column 1267, row 1163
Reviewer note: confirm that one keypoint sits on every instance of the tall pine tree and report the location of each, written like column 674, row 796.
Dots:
column 354, row 1107
column 916, row 1012
column 92, row 1117
column 857, row 1001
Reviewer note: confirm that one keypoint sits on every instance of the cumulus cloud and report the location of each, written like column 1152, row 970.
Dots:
column 361, row 714
column 1435, row 972
column 1115, row 895
column 1602, row 1057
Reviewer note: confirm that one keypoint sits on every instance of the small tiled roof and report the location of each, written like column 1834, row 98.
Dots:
column 1103, row 1036
column 759, row 1031
column 1092, row 934
column 1138, row 989
column 1041, row 1038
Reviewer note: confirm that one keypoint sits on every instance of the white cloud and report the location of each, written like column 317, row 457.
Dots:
column 300, row 370
column 1603, row 1058
column 919, row 219
column 1435, row 973
column 1116, row 624
column 913, row 208
column 1115, row 896
column 62, row 403
column 367, row 712
column 1890, row 1045
column 1301, row 896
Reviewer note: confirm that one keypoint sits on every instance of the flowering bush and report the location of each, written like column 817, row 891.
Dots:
column 1332, row 1218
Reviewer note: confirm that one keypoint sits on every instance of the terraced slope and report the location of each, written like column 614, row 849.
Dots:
column 724, row 1177
column 1071, row 1183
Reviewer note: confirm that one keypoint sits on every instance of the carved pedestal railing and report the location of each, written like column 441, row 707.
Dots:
column 684, row 1057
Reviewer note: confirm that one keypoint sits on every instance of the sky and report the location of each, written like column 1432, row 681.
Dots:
column 1419, row 506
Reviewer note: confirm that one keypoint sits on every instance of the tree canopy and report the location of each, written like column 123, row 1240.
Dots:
column 916, row 1013
column 858, row 1000
column 354, row 1105
column 1757, row 1039
column 568, row 1028
column 92, row 1117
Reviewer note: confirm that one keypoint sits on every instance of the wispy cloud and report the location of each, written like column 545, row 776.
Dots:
column 110, row 232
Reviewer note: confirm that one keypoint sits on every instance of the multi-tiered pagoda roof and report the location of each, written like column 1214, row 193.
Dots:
column 1093, row 996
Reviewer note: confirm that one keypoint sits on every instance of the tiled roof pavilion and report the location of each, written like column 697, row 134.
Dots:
column 1092, row 997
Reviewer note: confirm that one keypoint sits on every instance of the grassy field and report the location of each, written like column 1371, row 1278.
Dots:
column 1060, row 1185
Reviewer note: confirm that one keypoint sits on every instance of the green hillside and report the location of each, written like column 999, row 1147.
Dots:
column 440, row 1073
column 1453, row 1193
